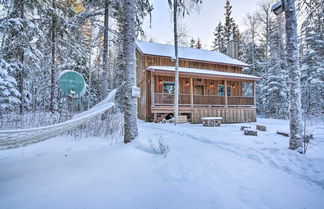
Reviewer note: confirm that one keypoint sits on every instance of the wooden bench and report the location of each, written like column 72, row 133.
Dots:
column 212, row 121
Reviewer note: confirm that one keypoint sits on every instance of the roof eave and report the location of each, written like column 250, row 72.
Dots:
column 206, row 75
column 220, row 63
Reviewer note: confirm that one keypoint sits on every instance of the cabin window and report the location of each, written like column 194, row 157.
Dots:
column 247, row 89
column 168, row 87
column 221, row 90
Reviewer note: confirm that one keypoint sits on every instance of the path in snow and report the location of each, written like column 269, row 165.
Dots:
column 295, row 164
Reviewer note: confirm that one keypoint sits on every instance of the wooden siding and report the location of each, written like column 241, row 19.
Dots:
column 210, row 85
column 229, row 115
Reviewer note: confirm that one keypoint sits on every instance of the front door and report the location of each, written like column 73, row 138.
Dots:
column 199, row 90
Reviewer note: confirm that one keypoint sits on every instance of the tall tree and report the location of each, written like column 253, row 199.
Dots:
column 104, row 6
column 265, row 19
column 54, row 73
column 175, row 34
column 251, row 23
column 199, row 44
column 229, row 21
column 129, row 43
column 192, row 43
column 105, row 66
column 312, row 66
column 275, row 89
column 129, row 16
column 218, row 43
column 296, row 130
column 9, row 95
column 21, row 36
column 181, row 7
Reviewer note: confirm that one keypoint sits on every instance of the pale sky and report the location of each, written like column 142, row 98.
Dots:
column 200, row 24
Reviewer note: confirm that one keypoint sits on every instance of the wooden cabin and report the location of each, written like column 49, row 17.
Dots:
column 211, row 84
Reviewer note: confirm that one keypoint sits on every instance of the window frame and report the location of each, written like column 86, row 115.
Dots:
column 223, row 92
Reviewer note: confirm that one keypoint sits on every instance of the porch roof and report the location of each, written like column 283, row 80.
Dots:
column 203, row 72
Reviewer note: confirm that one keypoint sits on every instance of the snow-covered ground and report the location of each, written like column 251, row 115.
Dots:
column 205, row 168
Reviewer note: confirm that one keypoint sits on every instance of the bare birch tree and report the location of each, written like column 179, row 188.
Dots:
column 296, row 128
column 179, row 7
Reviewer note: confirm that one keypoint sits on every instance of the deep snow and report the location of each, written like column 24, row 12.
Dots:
column 206, row 167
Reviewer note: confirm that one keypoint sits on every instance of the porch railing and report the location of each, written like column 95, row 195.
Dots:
column 237, row 101
column 202, row 100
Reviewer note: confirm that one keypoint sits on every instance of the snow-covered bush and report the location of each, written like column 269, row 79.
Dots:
column 159, row 146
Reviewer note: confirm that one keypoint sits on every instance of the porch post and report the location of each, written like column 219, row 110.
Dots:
column 191, row 92
column 152, row 89
column 254, row 93
column 225, row 92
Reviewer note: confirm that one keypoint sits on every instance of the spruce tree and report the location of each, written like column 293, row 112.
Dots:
column 312, row 66
column 21, row 46
column 199, row 44
column 192, row 43
column 229, row 21
column 275, row 90
column 218, row 43
column 9, row 95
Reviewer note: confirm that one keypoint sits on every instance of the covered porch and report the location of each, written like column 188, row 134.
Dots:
column 202, row 88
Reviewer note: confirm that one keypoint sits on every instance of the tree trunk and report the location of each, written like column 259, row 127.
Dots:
column 176, row 92
column 54, row 90
column 105, row 67
column 295, row 116
column 129, row 45
column 21, row 73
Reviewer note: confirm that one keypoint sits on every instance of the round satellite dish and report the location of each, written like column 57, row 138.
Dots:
column 72, row 83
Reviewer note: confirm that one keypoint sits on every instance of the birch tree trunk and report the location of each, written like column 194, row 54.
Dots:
column 296, row 129
column 176, row 92
column 105, row 66
column 129, row 53
column 54, row 89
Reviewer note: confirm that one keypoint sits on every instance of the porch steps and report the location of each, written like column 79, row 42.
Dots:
column 160, row 116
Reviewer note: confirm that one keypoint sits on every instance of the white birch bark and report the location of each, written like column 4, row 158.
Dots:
column 130, row 117
column 176, row 92
column 296, row 129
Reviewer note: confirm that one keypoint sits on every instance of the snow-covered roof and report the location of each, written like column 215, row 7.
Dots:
column 187, row 53
column 204, row 72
